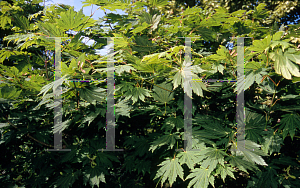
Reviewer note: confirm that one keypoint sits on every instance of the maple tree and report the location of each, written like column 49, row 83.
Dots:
column 149, row 97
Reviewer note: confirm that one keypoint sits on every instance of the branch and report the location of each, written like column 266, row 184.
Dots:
column 109, row 23
column 28, row 134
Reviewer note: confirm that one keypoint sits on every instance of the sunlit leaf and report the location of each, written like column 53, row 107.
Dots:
column 170, row 170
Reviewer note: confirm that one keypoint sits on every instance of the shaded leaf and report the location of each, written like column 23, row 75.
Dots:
column 241, row 164
column 67, row 179
column 94, row 176
column 137, row 93
column 9, row 92
column 169, row 139
column 163, row 95
column 288, row 124
column 272, row 144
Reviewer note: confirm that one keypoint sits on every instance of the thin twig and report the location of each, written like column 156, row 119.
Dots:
column 109, row 23
column 28, row 135
column 46, row 62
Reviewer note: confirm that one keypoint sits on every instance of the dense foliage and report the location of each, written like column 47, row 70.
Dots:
column 149, row 105
column 283, row 11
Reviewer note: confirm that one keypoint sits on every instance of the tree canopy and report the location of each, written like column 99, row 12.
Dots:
column 150, row 77
column 281, row 11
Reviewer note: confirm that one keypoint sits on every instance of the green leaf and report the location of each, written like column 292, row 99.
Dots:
column 222, row 54
column 190, row 158
column 163, row 95
column 295, row 79
column 283, row 44
column 159, row 3
column 73, row 20
column 52, row 85
column 137, row 93
column 122, row 109
column 111, row 5
column 59, row 128
column 213, row 130
column 180, row 106
column 142, row 44
column 277, row 36
column 148, row 19
column 133, row 164
column 169, row 139
column 268, row 86
column 288, row 124
column 201, row 178
column 212, row 157
column 104, row 158
column 5, row 20
column 18, row 38
column 94, row 176
column 3, row 125
column 120, row 42
column 4, row 54
column 217, row 67
column 254, row 72
column 91, row 94
column 155, row 21
column 124, row 86
column 260, row 46
column 9, row 92
column 260, row 11
column 76, row 64
column 139, row 29
column 272, row 144
column 93, row 115
column 238, row 13
column 22, row 22
column 212, row 125
column 69, row 156
column 67, row 179
column 251, row 152
column 170, row 170
column 224, row 171
column 241, row 164
column 139, row 144
column 266, row 178
column 190, row 11
column 284, row 63
column 65, row 70
column 172, row 122
column 50, row 30
column 285, row 160
column 289, row 97
column 254, row 125
column 197, row 87
column 124, row 68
